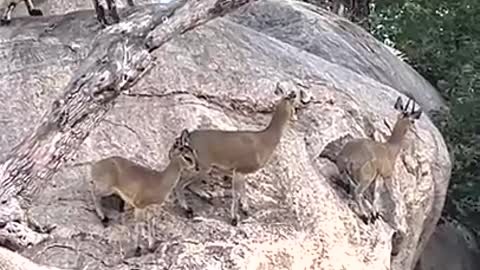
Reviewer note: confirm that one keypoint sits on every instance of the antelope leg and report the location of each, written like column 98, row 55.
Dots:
column 238, row 197
column 112, row 8
column 180, row 195
column 139, row 218
column 7, row 15
column 32, row 11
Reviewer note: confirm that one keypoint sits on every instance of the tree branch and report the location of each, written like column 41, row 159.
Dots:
column 120, row 55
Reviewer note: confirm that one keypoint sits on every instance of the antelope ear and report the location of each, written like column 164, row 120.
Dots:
column 385, row 122
column 304, row 98
column 294, row 116
column 184, row 137
column 189, row 160
column 279, row 90
column 398, row 104
column 189, row 157
column 171, row 151
column 416, row 115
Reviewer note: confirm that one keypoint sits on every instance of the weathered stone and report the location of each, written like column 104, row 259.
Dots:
column 450, row 248
column 223, row 75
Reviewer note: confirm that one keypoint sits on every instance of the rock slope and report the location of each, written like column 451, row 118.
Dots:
column 223, row 75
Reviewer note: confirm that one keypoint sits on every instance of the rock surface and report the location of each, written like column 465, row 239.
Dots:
column 339, row 42
column 10, row 260
column 450, row 248
column 223, row 75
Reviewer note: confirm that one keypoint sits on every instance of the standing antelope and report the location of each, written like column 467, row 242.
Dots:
column 137, row 185
column 9, row 5
column 362, row 161
column 235, row 153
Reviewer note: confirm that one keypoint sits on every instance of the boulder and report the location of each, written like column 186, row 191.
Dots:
column 223, row 75
column 451, row 247
column 338, row 41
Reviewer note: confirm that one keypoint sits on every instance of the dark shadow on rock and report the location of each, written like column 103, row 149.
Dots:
column 113, row 202
column 330, row 152
column 334, row 147
column 341, row 186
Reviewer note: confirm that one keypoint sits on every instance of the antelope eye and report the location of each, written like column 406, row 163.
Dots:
column 188, row 159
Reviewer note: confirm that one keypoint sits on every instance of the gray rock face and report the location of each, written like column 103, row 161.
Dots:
column 336, row 40
column 222, row 75
column 449, row 249
column 10, row 260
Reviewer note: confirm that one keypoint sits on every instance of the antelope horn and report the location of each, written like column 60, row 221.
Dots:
column 408, row 103
column 387, row 124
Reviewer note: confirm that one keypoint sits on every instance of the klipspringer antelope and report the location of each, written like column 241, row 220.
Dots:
column 363, row 161
column 235, row 153
column 137, row 185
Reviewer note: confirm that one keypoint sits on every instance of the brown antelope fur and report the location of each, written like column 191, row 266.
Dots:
column 137, row 185
column 8, row 6
column 235, row 153
column 112, row 10
column 362, row 161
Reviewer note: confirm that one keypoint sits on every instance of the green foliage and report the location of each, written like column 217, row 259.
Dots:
column 441, row 39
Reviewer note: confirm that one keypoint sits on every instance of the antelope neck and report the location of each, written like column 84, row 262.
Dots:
column 273, row 132
column 171, row 172
column 396, row 139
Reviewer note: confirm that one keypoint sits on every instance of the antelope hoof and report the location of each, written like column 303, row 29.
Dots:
column 105, row 220
column 101, row 17
column 108, row 21
column 36, row 12
column 4, row 21
column 138, row 251
column 151, row 248
column 397, row 240
column 365, row 219
column 234, row 221
column 47, row 228
column 244, row 209
column 189, row 212
column 375, row 216
column 116, row 19
column 370, row 218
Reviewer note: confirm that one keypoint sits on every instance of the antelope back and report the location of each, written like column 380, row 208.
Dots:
column 131, row 177
column 105, row 172
column 363, row 155
column 354, row 154
column 384, row 158
column 201, row 142
column 243, row 151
